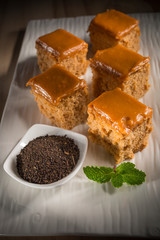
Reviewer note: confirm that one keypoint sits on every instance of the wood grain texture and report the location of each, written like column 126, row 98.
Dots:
column 14, row 16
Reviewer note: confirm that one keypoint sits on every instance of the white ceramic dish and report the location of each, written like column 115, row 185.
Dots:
column 80, row 207
column 42, row 130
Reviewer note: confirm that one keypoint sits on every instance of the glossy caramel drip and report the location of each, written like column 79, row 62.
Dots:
column 114, row 23
column 55, row 83
column 122, row 111
column 61, row 43
column 118, row 61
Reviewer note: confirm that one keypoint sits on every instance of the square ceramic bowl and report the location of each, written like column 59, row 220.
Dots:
column 42, row 130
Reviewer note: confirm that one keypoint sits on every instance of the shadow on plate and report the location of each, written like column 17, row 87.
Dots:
column 26, row 70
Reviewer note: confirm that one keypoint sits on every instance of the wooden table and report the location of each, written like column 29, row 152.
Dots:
column 14, row 16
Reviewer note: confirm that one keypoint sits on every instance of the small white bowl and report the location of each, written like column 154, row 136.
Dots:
column 42, row 130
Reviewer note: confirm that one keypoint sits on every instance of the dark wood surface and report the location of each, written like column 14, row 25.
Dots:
column 14, row 16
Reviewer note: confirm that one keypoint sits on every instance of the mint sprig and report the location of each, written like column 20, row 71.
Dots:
column 124, row 173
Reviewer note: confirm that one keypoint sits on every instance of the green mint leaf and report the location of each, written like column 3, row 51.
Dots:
column 124, row 173
column 117, row 180
column 99, row 174
column 130, row 174
column 134, row 177
column 125, row 167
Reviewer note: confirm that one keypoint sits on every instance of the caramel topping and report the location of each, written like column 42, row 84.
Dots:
column 118, row 61
column 61, row 43
column 114, row 23
column 122, row 111
column 55, row 83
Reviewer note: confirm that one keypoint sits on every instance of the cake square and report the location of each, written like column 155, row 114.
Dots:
column 61, row 96
column 120, row 123
column 62, row 47
column 112, row 27
column 120, row 67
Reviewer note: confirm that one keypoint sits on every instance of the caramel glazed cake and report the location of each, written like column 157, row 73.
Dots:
column 62, row 47
column 113, row 27
column 119, row 123
column 61, row 96
column 120, row 67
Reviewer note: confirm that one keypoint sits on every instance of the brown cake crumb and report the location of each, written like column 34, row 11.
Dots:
column 63, row 48
column 120, row 67
column 112, row 27
column 61, row 97
column 119, row 123
column 47, row 159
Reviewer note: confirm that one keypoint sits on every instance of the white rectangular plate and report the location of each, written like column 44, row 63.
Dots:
column 80, row 206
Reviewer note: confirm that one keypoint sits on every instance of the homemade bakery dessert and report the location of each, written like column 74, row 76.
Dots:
column 112, row 27
column 61, row 96
column 120, row 67
column 120, row 123
column 62, row 47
